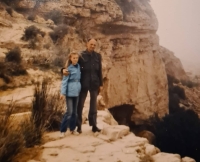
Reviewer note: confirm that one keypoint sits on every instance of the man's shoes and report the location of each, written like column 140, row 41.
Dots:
column 95, row 129
column 79, row 130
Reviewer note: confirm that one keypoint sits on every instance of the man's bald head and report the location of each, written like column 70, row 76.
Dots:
column 91, row 44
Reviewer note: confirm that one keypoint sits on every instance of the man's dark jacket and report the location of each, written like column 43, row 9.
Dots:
column 91, row 70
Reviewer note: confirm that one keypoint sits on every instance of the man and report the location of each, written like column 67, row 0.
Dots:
column 91, row 80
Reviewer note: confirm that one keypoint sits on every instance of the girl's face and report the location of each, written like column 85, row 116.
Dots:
column 74, row 59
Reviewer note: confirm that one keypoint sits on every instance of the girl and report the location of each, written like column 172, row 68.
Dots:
column 70, row 90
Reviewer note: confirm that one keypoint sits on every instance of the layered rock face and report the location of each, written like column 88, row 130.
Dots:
column 173, row 64
column 133, row 70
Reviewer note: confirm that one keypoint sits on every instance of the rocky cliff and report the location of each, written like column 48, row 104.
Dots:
column 115, row 143
column 173, row 64
column 133, row 70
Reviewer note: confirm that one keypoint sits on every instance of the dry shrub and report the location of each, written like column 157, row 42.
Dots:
column 10, row 146
column 56, row 16
column 11, row 69
column 46, row 115
column 12, row 3
column 12, row 65
column 47, row 45
column 47, row 107
column 14, row 55
column 32, row 134
column 39, row 103
column 5, row 117
column 59, row 61
column 60, row 56
column 189, row 83
column 58, row 33
column 31, row 32
column 54, row 112
column 9, row 10
column 41, row 60
column 31, row 17
column 15, row 69
column 11, row 140
column 3, row 74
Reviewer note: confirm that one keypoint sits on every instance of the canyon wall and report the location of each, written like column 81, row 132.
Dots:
column 173, row 64
column 133, row 70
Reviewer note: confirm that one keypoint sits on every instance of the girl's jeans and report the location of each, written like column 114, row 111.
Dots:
column 70, row 117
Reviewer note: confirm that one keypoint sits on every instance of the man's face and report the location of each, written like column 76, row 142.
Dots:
column 91, row 45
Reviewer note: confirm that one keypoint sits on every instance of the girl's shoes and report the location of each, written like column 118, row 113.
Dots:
column 62, row 134
column 74, row 132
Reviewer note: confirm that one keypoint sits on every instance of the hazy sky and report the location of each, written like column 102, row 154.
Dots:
column 179, row 27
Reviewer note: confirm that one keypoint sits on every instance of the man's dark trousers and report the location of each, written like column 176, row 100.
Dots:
column 92, row 116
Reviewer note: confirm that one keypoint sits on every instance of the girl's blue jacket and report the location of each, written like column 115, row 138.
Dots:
column 71, row 85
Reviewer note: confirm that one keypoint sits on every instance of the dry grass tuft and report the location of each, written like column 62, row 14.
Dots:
column 11, row 140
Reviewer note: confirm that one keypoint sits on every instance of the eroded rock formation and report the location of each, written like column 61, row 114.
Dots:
column 173, row 64
column 133, row 70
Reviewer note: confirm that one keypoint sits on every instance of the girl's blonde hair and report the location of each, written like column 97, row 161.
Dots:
column 68, row 62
